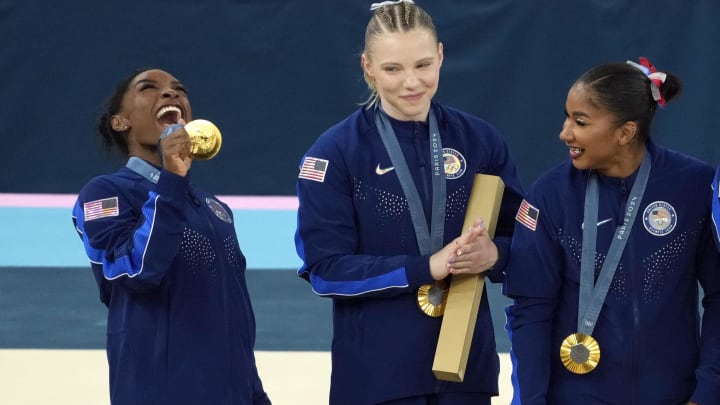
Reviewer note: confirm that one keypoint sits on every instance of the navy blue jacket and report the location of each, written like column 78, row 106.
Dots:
column 357, row 242
column 716, row 207
column 169, row 268
column 652, row 351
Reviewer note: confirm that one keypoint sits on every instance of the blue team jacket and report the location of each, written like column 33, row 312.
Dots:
column 169, row 268
column 357, row 243
column 652, row 351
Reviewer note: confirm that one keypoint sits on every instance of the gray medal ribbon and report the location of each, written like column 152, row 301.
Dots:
column 592, row 298
column 429, row 241
column 143, row 168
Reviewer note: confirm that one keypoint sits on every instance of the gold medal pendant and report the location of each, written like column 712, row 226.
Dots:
column 431, row 298
column 580, row 353
column 205, row 138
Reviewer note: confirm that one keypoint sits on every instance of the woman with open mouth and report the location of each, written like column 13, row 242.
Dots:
column 168, row 265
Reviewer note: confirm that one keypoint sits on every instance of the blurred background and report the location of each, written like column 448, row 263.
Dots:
column 273, row 75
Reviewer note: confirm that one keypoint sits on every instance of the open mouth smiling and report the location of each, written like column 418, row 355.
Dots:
column 169, row 115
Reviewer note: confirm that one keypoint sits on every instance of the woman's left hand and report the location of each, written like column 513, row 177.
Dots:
column 476, row 252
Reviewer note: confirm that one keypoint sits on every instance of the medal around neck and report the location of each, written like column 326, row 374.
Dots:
column 205, row 137
column 580, row 353
column 431, row 299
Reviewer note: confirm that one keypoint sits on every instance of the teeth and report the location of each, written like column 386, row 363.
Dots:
column 576, row 150
column 167, row 109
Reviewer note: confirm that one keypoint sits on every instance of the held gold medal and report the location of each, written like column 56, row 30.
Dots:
column 580, row 353
column 205, row 137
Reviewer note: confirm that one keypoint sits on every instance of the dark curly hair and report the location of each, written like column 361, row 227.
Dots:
column 112, row 139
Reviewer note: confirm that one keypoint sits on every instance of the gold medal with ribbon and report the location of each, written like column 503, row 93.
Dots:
column 580, row 353
column 431, row 298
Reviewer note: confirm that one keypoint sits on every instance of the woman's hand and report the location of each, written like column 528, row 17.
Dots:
column 439, row 262
column 475, row 253
column 175, row 150
column 471, row 253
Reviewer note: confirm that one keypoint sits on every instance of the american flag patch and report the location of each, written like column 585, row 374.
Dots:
column 313, row 169
column 107, row 207
column 528, row 215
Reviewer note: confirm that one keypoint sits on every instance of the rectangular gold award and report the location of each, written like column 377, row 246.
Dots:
column 463, row 301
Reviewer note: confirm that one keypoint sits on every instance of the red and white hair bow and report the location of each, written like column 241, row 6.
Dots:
column 656, row 78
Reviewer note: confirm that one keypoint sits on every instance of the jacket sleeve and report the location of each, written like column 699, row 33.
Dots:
column 533, row 281
column 501, row 164
column 327, row 238
column 715, row 207
column 135, row 245
column 707, row 390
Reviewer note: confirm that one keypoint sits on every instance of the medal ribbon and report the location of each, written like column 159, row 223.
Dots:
column 429, row 241
column 143, row 168
column 593, row 297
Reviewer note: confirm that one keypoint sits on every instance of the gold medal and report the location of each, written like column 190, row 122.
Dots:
column 580, row 353
column 431, row 298
column 205, row 138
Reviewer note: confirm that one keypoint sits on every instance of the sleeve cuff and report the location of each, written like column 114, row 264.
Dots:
column 706, row 393
column 497, row 273
column 417, row 271
column 172, row 186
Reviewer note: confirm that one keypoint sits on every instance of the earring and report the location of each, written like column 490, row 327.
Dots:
column 119, row 123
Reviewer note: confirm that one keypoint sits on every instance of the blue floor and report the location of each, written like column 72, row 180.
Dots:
column 48, row 297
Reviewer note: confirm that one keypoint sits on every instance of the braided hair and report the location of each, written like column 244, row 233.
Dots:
column 390, row 17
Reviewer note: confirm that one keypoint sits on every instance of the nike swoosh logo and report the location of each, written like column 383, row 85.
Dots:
column 380, row 171
column 604, row 221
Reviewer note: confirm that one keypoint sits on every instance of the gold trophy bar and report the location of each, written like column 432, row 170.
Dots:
column 463, row 301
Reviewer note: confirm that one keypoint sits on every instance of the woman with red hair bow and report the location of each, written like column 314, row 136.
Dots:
column 608, row 250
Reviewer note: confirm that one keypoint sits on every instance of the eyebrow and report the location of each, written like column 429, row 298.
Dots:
column 577, row 114
column 141, row 81
column 421, row 60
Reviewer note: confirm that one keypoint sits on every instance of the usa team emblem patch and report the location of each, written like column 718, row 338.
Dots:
column 218, row 210
column 454, row 163
column 313, row 169
column 528, row 215
column 107, row 207
column 659, row 218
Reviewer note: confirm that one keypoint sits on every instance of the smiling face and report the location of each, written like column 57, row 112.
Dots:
column 595, row 139
column 154, row 100
column 405, row 67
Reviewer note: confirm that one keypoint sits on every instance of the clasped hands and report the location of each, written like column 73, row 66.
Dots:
column 472, row 252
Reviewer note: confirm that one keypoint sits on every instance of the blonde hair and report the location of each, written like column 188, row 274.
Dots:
column 389, row 17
